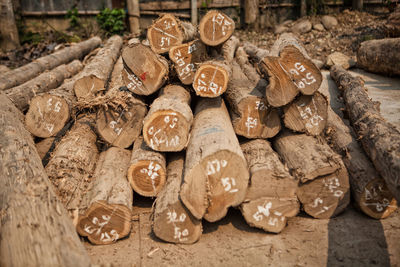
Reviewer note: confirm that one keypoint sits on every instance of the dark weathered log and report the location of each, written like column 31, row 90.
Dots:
column 215, row 28
column 216, row 174
column 380, row 139
column 35, row 228
column 172, row 222
column 251, row 13
column 31, row 70
column 393, row 23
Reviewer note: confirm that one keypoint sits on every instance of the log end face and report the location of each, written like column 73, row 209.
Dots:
column 147, row 177
column 215, row 28
column 210, row 80
column 104, row 224
column 86, row 87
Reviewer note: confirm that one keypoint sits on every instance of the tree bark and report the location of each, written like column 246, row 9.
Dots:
column 95, row 75
column 35, row 228
column 147, row 170
column 254, row 52
column 271, row 195
column 380, row 139
column 9, row 39
column 22, row 94
column 72, row 164
column 167, row 125
column 168, row 31
column 216, row 174
column 172, row 222
column 133, row 16
column 215, row 28
column 33, row 69
column 380, row 56
column 108, row 217
column 144, row 71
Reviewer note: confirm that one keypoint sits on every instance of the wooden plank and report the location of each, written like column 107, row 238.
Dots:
column 175, row 5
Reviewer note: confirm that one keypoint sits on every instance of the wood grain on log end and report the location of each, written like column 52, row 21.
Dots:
column 87, row 87
column 211, row 79
column 147, row 177
column 215, row 28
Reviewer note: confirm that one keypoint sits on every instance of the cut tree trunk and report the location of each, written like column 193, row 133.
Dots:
column 228, row 49
column 250, row 113
column 216, row 174
column 44, row 146
column 168, row 31
column 186, row 57
column 144, row 72
column 147, row 170
column 257, row 54
column 380, row 56
column 33, row 69
column 133, row 16
column 215, row 28
column 251, row 13
column 307, row 114
column 271, row 195
column 22, row 94
column 380, row 139
column 172, row 222
column 35, row 228
column 211, row 79
column 120, row 117
column 108, row 217
column 72, row 164
column 325, row 189
column 95, row 75
column 167, row 125
column 9, row 39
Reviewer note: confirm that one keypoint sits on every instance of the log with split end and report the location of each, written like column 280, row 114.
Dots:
column 172, row 222
column 147, row 170
column 215, row 28
column 211, row 79
column 167, row 32
column 216, row 174
column 168, row 123
column 108, row 217
column 326, row 196
column 186, row 57
column 307, row 114
column 145, row 72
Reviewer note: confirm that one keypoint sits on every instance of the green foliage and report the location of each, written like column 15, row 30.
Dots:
column 72, row 15
column 112, row 21
column 26, row 36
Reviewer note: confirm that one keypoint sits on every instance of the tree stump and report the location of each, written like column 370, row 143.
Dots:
column 147, row 170
column 215, row 28
column 216, row 174
column 167, row 125
column 172, row 222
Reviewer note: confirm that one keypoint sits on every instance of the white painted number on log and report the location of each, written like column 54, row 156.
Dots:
column 312, row 118
column 180, row 235
column 332, row 184
column 57, row 105
column 250, row 123
column 211, row 86
column 134, row 81
column 375, row 195
column 172, row 217
column 215, row 166
column 260, row 105
column 98, row 227
column 297, row 70
column 229, row 183
column 163, row 136
column 220, row 20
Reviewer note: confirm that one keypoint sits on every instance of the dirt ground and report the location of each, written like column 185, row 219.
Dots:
column 351, row 239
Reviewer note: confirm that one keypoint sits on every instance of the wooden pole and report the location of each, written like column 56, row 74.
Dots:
column 133, row 16
column 8, row 31
column 193, row 12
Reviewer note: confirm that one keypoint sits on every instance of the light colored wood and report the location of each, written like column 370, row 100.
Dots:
column 35, row 228
column 186, row 58
column 147, row 170
column 22, row 94
column 251, row 13
column 44, row 146
column 133, row 16
column 179, row 5
column 94, row 77
column 215, row 28
column 271, row 195
column 172, row 222
column 20, row 75
column 211, row 79
column 9, row 38
column 255, row 52
column 108, row 217
column 167, row 125
column 193, row 12
column 216, row 174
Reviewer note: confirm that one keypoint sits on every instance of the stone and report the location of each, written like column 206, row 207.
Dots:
column 329, row 22
column 338, row 58
column 302, row 26
column 318, row 27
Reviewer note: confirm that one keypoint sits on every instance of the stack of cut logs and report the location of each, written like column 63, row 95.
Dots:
column 125, row 122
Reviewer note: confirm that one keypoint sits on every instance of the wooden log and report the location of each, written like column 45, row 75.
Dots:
column 43, row 146
column 172, row 222
column 133, row 16
column 393, row 23
column 271, row 195
column 380, row 139
column 35, row 228
column 120, row 117
column 108, row 217
column 145, row 72
column 215, row 28
column 167, row 125
column 307, row 114
column 147, row 170
column 254, row 52
column 216, row 174
column 251, row 116
column 380, row 56
column 211, row 79
column 22, row 94
column 325, row 189
column 251, row 13
column 186, row 57
column 33, row 69
column 168, row 31
column 9, row 38
column 72, row 164
column 95, row 75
